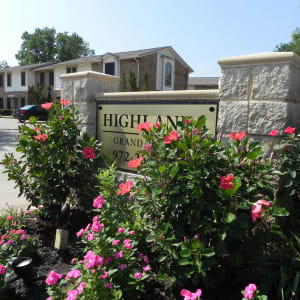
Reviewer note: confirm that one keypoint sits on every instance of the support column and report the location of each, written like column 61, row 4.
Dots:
column 80, row 88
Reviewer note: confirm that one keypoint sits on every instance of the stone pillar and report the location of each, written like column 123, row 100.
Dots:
column 80, row 88
column 259, row 93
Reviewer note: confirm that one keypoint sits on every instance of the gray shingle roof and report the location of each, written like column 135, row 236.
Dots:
column 203, row 81
column 29, row 67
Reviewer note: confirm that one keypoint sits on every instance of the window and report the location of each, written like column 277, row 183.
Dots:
column 22, row 101
column 23, row 74
column 110, row 68
column 168, row 74
column 51, row 78
column 8, row 79
column 42, row 78
column 71, row 70
column 8, row 105
column 1, row 103
column 1, row 80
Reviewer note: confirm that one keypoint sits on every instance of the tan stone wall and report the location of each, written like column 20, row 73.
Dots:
column 126, row 66
column 148, row 64
column 97, row 67
column 181, row 76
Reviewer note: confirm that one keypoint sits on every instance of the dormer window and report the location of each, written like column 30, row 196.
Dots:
column 71, row 70
column 110, row 68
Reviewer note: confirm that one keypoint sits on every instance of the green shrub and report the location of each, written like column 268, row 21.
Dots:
column 5, row 112
column 58, row 161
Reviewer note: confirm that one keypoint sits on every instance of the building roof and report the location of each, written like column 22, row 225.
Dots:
column 206, row 81
column 28, row 67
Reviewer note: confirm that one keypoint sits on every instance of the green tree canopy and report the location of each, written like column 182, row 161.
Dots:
column 293, row 46
column 46, row 45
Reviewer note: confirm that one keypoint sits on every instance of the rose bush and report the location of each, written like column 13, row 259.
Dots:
column 56, row 157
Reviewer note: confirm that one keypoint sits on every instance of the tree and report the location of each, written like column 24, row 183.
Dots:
column 293, row 46
column 46, row 45
column 3, row 64
column 71, row 46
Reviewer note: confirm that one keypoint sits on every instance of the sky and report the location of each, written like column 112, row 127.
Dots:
column 200, row 31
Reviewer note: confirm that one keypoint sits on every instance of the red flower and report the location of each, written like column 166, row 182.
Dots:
column 289, row 130
column 226, row 182
column 188, row 121
column 41, row 137
column 64, row 102
column 134, row 163
column 237, row 135
column 125, row 188
column 145, row 125
column 157, row 125
column 173, row 137
column 89, row 152
column 47, row 105
column 273, row 132
column 256, row 208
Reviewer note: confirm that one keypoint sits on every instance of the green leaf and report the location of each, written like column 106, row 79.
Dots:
column 184, row 262
column 229, row 217
column 174, row 171
column 32, row 120
column 149, row 238
column 207, row 252
column 293, row 174
column 255, row 151
column 162, row 277
column 201, row 122
column 185, row 252
column 162, row 258
column 280, row 212
column 162, row 169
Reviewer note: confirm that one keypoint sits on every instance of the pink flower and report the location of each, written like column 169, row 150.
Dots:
column 125, row 188
column 127, row 244
column 87, row 227
column 226, row 182
column 187, row 121
column 64, row 102
column 134, row 163
column 98, row 202
column 145, row 125
column 73, row 260
column 157, row 125
column 9, row 218
column 96, row 218
column 172, row 137
column 105, row 275
column 122, row 267
column 72, row 294
column 249, row 291
column 146, row 259
column 132, row 232
column 10, row 242
column 2, row 269
column 121, row 230
column 289, row 130
column 73, row 274
column 189, row 295
column 80, row 232
column 49, row 298
column 97, row 226
column 273, row 133
column 118, row 255
column 80, row 287
column 53, row 278
column 3, row 236
column 91, row 236
column 256, row 209
column 20, row 231
column 93, row 260
column 108, row 285
column 138, row 275
column 148, row 148
column 47, row 105
column 237, row 135
column 115, row 242
column 140, row 255
column 23, row 237
column 41, row 137
column 146, row 268
column 108, row 260
column 1, row 242
column 89, row 152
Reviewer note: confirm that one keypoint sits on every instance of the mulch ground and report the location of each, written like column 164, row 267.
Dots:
column 47, row 257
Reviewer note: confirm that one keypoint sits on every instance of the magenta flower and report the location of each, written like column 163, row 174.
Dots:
column 23, row 237
column 89, row 152
column 72, row 294
column 146, row 268
column 189, row 295
column 80, row 287
column 10, row 242
column 93, row 260
column 115, row 242
column 127, row 244
column 80, row 232
column 118, row 254
column 146, row 259
column 97, row 226
column 138, row 275
column 98, row 202
column 73, row 274
column 90, row 236
column 256, row 209
column 122, row 267
column 121, row 230
column 9, row 218
column 273, row 133
column 148, row 148
column 132, row 232
column 289, row 130
column 108, row 285
column 105, row 275
column 53, row 278
column 2, row 269
column 73, row 260
column 146, row 125
column 249, row 291
column 20, row 231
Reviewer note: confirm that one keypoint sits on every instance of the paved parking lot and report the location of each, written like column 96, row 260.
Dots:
column 8, row 142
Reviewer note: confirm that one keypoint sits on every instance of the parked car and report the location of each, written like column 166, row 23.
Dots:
column 25, row 112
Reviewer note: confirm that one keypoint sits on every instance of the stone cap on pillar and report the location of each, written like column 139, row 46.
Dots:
column 261, row 58
column 90, row 75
